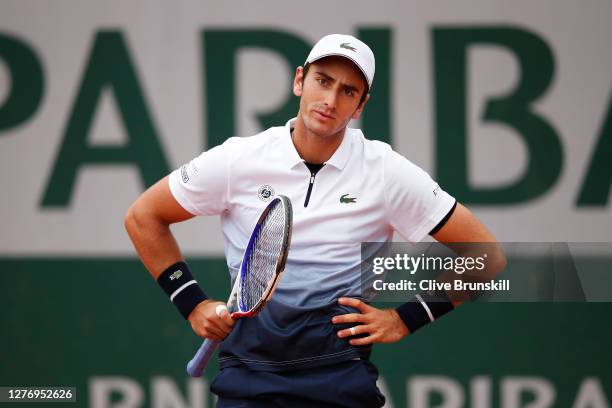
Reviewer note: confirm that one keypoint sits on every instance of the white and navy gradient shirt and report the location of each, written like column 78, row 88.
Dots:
column 363, row 193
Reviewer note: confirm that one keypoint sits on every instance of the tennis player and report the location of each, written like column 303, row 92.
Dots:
column 310, row 346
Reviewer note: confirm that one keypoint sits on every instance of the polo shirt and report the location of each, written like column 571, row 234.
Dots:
column 363, row 193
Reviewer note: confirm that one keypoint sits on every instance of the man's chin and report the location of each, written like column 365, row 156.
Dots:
column 320, row 129
column 324, row 133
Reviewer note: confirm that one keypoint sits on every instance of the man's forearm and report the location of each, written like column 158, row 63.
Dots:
column 153, row 241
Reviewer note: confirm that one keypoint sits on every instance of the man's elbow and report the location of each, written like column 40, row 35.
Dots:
column 134, row 219
column 504, row 262
column 129, row 220
column 498, row 261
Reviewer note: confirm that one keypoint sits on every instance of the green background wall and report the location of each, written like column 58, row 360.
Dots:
column 68, row 321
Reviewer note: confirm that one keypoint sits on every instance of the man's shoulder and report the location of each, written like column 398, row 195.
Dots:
column 261, row 139
column 370, row 147
column 382, row 152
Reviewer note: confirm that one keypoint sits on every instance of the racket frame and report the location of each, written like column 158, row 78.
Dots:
column 197, row 365
column 280, row 265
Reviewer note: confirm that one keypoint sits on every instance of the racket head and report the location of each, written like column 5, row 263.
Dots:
column 264, row 258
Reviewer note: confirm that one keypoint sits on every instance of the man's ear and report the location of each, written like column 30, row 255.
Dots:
column 298, row 81
column 359, row 109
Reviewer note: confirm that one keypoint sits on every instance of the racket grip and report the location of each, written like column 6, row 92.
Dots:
column 198, row 363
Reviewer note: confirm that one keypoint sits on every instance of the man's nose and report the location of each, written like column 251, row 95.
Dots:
column 330, row 99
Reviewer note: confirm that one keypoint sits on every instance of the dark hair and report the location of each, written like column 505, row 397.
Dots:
column 365, row 81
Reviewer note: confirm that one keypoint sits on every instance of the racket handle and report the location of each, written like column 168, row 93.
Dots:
column 198, row 363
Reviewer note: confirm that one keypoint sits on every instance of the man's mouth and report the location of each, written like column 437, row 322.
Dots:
column 323, row 115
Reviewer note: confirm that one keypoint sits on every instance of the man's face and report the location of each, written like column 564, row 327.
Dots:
column 330, row 95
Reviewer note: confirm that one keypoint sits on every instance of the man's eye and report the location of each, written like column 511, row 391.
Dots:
column 349, row 92
column 322, row 81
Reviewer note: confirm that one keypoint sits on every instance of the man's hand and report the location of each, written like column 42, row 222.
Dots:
column 383, row 326
column 205, row 322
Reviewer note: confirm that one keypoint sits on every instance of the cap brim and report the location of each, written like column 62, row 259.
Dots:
column 353, row 60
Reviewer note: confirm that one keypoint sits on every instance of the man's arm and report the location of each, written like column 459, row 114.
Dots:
column 386, row 326
column 464, row 227
column 147, row 222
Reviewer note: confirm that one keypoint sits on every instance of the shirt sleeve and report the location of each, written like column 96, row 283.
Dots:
column 201, row 186
column 415, row 203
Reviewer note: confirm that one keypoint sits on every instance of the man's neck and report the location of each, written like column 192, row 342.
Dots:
column 314, row 148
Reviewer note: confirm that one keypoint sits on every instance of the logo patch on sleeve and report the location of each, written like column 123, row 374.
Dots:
column 184, row 174
column 188, row 170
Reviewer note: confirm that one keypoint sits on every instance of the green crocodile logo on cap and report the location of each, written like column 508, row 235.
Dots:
column 348, row 47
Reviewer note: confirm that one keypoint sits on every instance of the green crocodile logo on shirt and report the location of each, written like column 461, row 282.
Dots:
column 345, row 200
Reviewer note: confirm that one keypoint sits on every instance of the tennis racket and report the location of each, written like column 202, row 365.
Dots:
column 262, row 264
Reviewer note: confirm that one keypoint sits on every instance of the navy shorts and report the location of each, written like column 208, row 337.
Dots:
column 346, row 384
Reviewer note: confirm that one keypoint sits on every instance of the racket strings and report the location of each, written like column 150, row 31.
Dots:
column 263, row 259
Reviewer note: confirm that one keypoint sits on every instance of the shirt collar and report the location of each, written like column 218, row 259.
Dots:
column 338, row 159
column 290, row 155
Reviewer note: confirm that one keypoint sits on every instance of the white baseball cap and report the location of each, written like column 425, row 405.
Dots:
column 345, row 46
